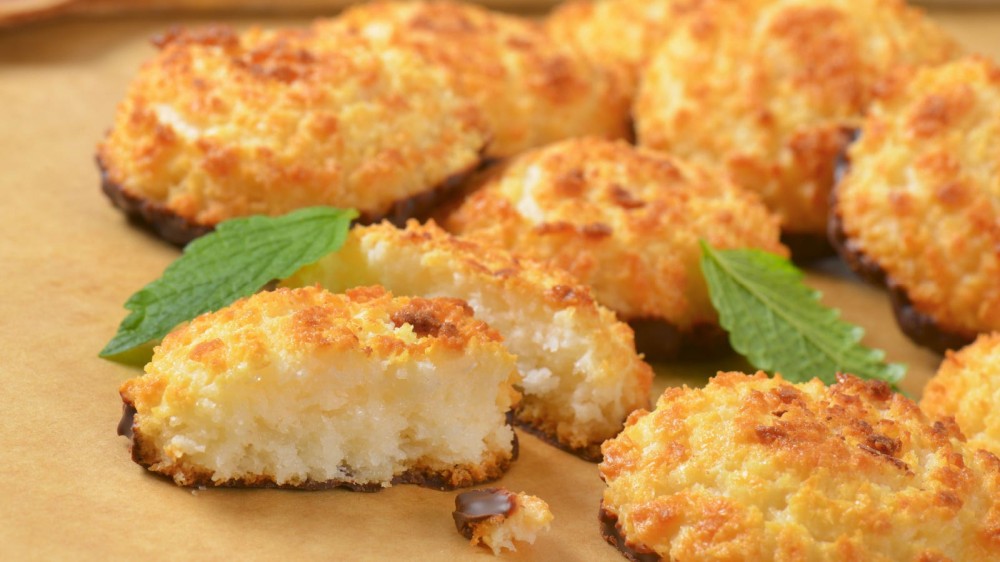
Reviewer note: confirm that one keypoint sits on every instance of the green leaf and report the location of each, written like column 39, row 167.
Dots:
column 778, row 323
column 235, row 261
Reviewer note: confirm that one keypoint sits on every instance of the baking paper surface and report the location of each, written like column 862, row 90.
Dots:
column 68, row 262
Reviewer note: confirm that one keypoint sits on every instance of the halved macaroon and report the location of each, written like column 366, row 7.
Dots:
column 307, row 389
column 767, row 93
column 531, row 89
column 752, row 468
column 918, row 209
column 221, row 124
column 581, row 373
column 627, row 222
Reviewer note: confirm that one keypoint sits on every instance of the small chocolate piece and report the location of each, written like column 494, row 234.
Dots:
column 476, row 506
column 128, row 418
column 613, row 534
column 659, row 340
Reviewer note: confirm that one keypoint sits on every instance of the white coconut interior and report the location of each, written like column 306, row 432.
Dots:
column 579, row 376
column 354, row 419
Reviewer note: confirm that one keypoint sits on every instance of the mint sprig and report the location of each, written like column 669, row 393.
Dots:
column 236, row 260
column 778, row 323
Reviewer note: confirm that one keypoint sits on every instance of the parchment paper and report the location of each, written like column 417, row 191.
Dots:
column 68, row 261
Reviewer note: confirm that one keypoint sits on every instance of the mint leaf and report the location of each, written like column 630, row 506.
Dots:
column 235, row 261
column 778, row 323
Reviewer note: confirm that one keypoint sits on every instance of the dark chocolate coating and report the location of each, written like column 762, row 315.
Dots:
column 807, row 247
column 128, row 418
column 923, row 329
column 421, row 206
column 662, row 341
column 589, row 453
column 179, row 230
column 613, row 534
column 156, row 217
column 476, row 506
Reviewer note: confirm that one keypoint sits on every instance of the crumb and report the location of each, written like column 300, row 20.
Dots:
column 496, row 518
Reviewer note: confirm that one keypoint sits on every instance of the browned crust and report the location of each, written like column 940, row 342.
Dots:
column 611, row 531
column 145, row 455
column 155, row 216
column 660, row 340
column 923, row 329
column 589, row 453
column 442, row 480
column 179, row 230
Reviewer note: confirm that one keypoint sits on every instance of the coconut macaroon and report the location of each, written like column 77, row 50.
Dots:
column 767, row 92
column 627, row 222
column 307, row 389
column 967, row 388
column 752, row 468
column 917, row 209
column 497, row 517
column 582, row 375
column 220, row 125
column 617, row 34
column 531, row 90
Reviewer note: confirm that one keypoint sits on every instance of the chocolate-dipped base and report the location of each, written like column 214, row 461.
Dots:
column 807, row 247
column 144, row 454
column 659, row 340
column 152, row 215
column 178, row 230
column 612, row 533
column 920, row 327
column 422, row 205
column 589, row 453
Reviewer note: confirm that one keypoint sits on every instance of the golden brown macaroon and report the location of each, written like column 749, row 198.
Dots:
column 967, row 388
column 581, row 373
column 767, row 92
column 307, row 389
column 617, row 34
column 752, row 468
column 220, row 125
column 627, row 222
column 531, row 90
column 917, row 209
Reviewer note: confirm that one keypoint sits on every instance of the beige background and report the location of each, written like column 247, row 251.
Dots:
column 67, row 263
